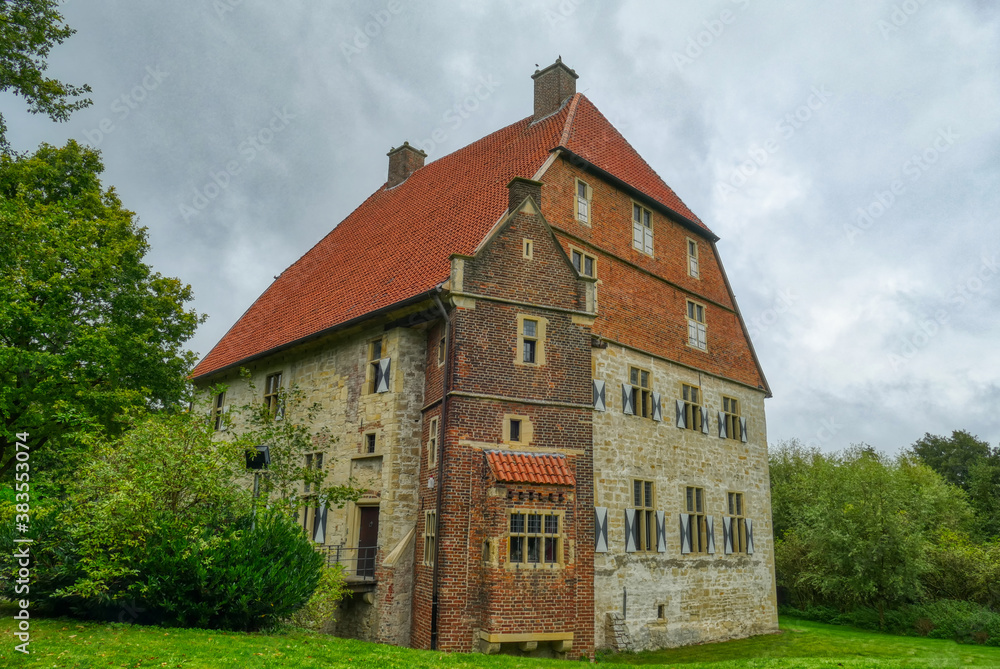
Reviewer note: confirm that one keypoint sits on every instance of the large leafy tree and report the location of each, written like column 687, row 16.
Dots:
column 88, row 332
column 952, row 457
column 28, row 30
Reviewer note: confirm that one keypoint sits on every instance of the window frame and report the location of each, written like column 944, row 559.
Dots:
column 698, row 516
column 642, row 221
column 694, row 265
column 695, row 326
column 588, row 198
column 738, row 524
column 731, row 418
column 441, row 351
column 528, row 248
column 642, row 395
column 432, row 442
column 219, row 411
column 371, row 382
column 692, row 407
column 272, row 393
column 370, row 445
column 430, row 536
column 584, row 257
column 558, row 539
column 538, row 339
column 644, row 503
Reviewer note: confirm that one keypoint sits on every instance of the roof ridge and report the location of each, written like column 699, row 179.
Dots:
column 564, row 137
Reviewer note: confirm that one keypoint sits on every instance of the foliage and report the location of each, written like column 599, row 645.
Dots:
column 28, row 30
column 952, row 457
column 228, row 578
column 854, row 527
column 963, row 569
column 89, row 334
column 984, row 495
column 322, row 606
column 54, row 559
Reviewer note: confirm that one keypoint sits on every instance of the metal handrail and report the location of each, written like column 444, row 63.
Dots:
column 358, row 561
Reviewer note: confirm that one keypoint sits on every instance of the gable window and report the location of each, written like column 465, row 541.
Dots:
column 697, row 330
column 735, row 525
column 639, row 378
column 692, row 249
column 271, row 396
column 731, row 417
column 430, row 536
column 370, row 442
column 642, row 229
column 528, row 249
column 697, row 528
column 432, row 443
column 534, row 538
column 645, row 515
column 218, row 411
column 530, row 340
column 378, row 366
column 691, row 407
column 583, row 196
column 584, row 263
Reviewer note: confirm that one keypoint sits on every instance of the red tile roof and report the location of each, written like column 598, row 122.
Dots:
column 397, row 244
column 530, row 468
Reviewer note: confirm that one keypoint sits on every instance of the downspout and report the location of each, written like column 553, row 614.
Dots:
column 440, row 463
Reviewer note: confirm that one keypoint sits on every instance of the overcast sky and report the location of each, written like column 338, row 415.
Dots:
column 847, row 154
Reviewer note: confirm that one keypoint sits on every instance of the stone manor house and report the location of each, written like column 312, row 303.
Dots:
column 535, row 365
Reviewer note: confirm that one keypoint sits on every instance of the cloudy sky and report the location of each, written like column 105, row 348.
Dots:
column 848, row 155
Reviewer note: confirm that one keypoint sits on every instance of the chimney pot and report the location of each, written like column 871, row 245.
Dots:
column 553, row 86
column 404, row 161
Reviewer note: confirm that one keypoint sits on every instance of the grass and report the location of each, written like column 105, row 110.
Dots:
column 63, row 642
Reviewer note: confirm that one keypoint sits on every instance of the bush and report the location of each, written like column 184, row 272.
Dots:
column 241, row 579
column 55, row 562
column 320, row 608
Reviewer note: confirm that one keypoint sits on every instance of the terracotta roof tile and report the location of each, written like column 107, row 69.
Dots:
column 397, row 244
column 530, row 468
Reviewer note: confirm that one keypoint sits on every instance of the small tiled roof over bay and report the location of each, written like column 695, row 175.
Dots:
column 513, row 467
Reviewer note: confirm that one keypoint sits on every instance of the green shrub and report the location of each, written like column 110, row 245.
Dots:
column 55, row 562
column 241, row 580
column 322, row 606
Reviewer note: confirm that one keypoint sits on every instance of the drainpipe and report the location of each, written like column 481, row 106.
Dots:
column 440, row 464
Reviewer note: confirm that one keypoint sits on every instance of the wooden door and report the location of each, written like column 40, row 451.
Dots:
column 367, row 540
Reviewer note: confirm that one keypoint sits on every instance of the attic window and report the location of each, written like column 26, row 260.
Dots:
column 692, row 248
column 528, row 249
column 642, row 229
column 582, row 203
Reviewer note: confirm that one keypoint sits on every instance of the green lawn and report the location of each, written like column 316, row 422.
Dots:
column 63, row 642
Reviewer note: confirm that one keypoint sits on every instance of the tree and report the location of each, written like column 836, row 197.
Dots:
column 88, row 332
column 952, row 457
column 28, row 30
column 984, row 495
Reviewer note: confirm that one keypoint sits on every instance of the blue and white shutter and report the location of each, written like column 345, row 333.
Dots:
column 661, row 532
column 743, row 430
column 600, row 529
column 319, row 523
column 710, row 528
column 727, row 535
column 631, row 531
column 749, row 536
column 722, row 426
column 627, row 400
column 382, row 380
column 685, row 533
column 657, row 408
column 681, row 423
column 704, row 421
column 599, row 402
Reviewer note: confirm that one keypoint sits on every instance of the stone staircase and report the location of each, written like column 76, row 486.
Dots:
column 616, row 633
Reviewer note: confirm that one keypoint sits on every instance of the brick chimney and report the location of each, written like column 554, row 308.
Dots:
column 520, row 188
column 404, row 161
column 552, row 86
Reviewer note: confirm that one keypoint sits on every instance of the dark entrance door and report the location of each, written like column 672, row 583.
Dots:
column 367, row 541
